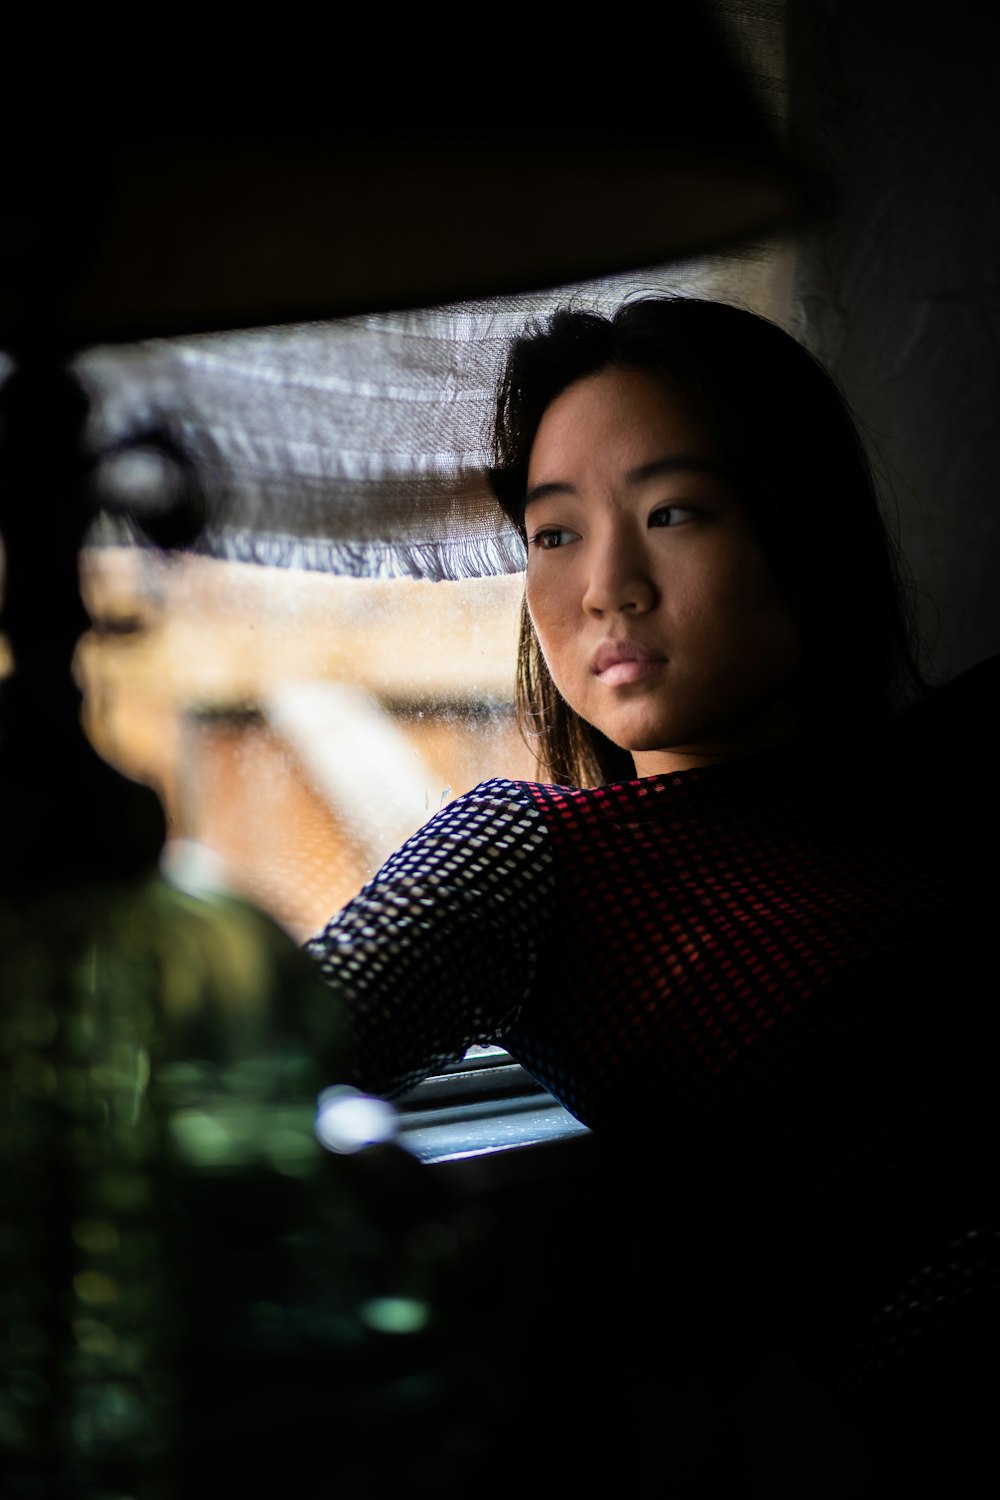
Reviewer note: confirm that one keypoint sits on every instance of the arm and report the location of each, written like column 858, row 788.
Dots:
column 438, row 951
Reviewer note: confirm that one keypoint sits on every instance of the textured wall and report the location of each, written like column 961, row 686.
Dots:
column 899, row 283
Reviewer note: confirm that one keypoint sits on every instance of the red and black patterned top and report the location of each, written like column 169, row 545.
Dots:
column 673, row 941
column 770, row 972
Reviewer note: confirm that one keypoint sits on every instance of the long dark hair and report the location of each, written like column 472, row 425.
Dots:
column 796, row 455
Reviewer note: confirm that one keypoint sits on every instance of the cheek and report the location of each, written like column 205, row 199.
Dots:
column 548, row 603
column 735, row 610
column 559, row 640
column 759, row 617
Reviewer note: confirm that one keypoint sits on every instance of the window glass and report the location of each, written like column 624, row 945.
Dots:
column 297, row 725
column 329, row 666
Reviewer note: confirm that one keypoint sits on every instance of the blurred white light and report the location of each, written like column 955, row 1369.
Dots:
column 348, row 1120
column 194, row 867
column 395, row 1314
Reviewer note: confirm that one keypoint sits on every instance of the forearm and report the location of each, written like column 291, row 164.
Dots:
column 438, row 952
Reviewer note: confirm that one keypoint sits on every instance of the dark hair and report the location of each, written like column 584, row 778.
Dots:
column 794, row 451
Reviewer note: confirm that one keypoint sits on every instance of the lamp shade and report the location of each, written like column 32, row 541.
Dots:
column 364, row 166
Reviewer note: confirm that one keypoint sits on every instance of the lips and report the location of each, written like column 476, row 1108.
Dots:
column 617, row 662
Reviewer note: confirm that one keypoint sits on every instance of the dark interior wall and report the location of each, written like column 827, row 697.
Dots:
column 897, row 107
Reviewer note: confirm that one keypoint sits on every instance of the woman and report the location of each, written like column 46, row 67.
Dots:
column 804, row 479
column 723, row 922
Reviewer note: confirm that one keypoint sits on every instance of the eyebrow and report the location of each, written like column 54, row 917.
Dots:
column 679, row 462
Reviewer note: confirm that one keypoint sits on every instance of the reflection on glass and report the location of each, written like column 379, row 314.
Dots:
column 298, row 725
column 194, row 1292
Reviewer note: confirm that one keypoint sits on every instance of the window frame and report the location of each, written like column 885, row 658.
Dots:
column 485, row 1105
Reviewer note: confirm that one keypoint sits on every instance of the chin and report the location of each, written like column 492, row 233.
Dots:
column 663, row 738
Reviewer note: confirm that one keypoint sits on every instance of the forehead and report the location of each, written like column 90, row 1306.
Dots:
column 617, row 420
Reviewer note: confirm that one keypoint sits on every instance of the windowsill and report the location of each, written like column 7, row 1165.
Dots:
column 482, row 1107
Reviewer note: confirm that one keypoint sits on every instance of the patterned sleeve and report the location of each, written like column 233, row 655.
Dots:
column 438, row 951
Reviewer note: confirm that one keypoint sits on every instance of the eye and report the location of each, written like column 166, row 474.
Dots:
column 672, row 515
column 547, row 538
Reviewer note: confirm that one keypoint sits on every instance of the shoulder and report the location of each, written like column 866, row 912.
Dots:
column 495, row 828
column 958, row 713
column 941, row 748
column 496, row 805
column 498, row 792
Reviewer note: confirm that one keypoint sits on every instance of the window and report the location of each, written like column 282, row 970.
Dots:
column 298, row 725
column 334, row 659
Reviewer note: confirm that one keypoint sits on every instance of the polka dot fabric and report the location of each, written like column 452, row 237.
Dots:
column 438, row 951
column 702, row 958
column 741, row 969
column 712, row 954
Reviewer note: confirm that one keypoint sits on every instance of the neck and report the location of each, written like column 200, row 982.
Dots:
column 778, row 728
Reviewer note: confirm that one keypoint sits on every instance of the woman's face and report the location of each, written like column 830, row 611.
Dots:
column 654, row 606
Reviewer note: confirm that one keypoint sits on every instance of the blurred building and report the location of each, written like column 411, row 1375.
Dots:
column 298, row 726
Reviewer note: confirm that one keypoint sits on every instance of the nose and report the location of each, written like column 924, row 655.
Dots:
column 619, row 578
